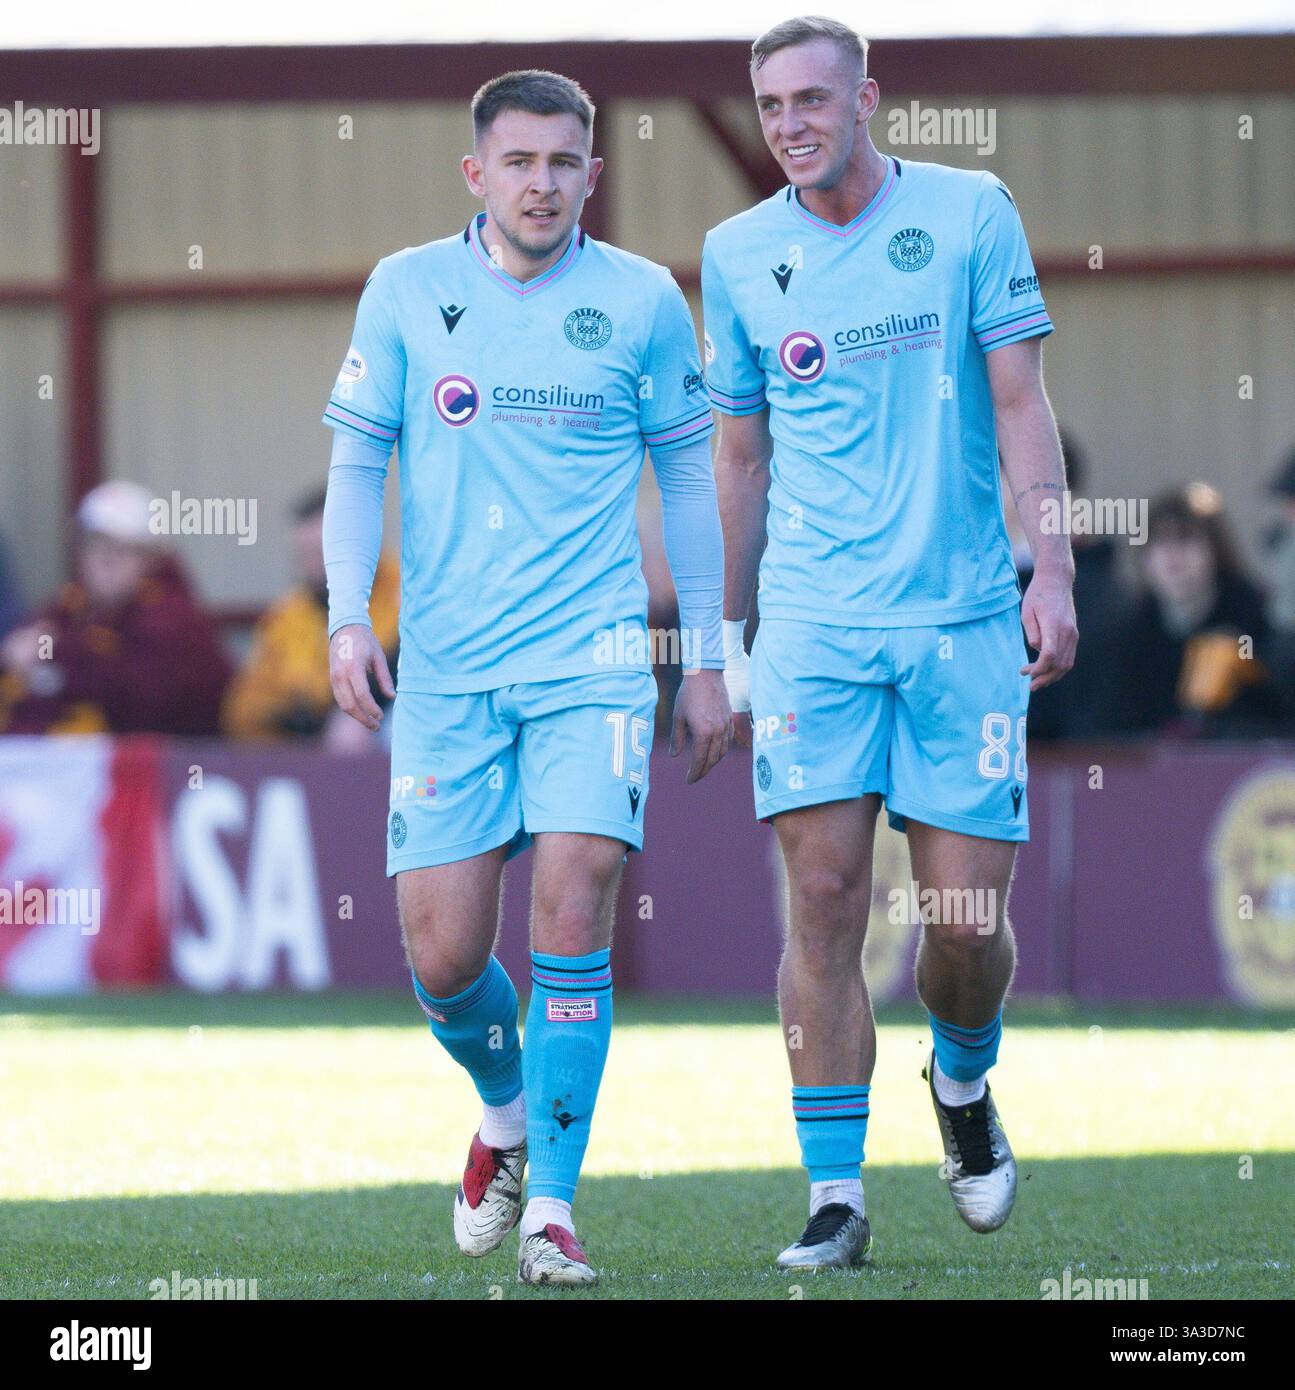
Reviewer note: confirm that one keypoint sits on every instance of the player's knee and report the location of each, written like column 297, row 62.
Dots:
column 568, row 925
column 830, row 891
column 969, row 936
column 444, row 970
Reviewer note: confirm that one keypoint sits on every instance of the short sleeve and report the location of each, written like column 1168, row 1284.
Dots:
column 673, row 406
column 368, row 397
column 734, row 376
column 1006, row 303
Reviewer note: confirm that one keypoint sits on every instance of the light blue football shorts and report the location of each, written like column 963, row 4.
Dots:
column 932, row 718
column 472, row 772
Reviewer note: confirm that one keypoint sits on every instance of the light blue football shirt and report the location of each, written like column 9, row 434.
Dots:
column 867, row 343
column 521, row 411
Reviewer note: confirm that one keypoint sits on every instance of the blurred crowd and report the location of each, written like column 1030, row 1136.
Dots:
column 1177, row 637
column 125, row 646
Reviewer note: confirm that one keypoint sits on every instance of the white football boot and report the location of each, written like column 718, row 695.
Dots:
column 554, row 1256
column 488, row 1203
column 978, row 1158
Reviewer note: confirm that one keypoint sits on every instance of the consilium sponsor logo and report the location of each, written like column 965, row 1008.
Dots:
column 802, row 355
column 887, row 330
column 554, row 396
column 456, row 399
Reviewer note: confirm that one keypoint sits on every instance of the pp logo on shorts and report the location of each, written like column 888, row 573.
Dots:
column 399, row 830
column 802, row 355
column 763, row 772
column 571, row 1010
column 456, row 399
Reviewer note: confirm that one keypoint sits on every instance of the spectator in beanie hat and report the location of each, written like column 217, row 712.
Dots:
column 123, row 647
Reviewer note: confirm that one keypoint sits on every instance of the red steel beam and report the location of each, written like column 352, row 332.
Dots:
column 271, row 289
column 985, row 67
column 82, row 310
column 762, row 175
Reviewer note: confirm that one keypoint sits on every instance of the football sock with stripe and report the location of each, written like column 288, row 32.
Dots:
column 963, row 1056
column 568, row 1031
column 832, row 1127
column 478, row 1028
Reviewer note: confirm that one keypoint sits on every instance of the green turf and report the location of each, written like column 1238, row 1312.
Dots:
column 312, row 1143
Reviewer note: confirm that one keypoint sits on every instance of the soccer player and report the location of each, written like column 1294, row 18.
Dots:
column 868, row 329
column 522, row 366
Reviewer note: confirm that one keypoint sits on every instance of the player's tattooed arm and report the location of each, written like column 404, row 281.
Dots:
column 1045, row 486
column 1031, row 453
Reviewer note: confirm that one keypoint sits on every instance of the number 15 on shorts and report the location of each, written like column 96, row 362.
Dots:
column 636, row 756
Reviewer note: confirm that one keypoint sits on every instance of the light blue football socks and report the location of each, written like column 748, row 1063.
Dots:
column 568, row 1031
column 478, row 1028
column 966, row 1054
column 832, row 1127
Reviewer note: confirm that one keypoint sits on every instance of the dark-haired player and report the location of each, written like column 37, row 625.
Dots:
column 523, row 367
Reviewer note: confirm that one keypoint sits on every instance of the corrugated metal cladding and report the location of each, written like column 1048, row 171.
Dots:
column 31, row 205
column 225, row 398
column 32, row 448
column 225, row 401
column 1127, row 174
column 331, row 188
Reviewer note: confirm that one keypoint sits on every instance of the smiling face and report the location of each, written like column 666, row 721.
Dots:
column 534, row 173
column 814, row 104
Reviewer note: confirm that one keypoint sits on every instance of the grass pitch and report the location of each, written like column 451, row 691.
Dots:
column 313, row 1144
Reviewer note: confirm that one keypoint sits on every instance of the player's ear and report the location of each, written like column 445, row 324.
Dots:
column 472, row 173
column 595, row 168
column 869, row 98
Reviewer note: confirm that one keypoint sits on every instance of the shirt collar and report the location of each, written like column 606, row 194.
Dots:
column 878, row 199
column 521, row 288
